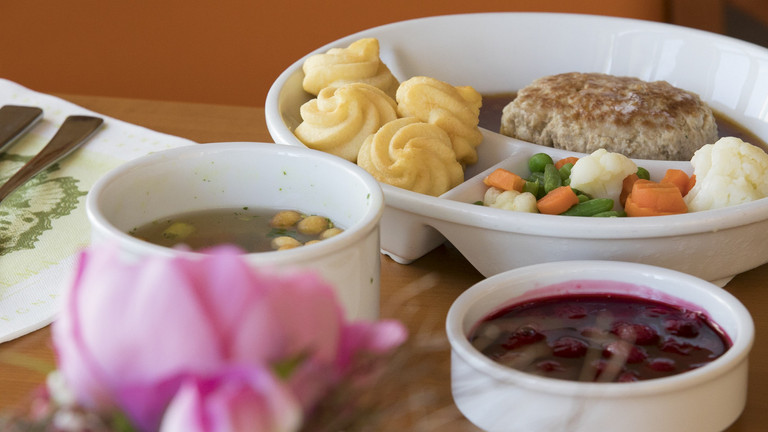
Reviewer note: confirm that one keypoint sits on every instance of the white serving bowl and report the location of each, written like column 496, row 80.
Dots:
column 503, row 52
column 255, row 175
column 498, row 398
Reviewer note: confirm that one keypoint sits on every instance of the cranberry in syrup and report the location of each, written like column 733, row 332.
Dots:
column 599, row 337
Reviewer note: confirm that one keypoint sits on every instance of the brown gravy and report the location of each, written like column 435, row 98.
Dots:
column 493, row 105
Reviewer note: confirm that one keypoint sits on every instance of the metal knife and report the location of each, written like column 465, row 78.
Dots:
column 73, row 132
column 16, row 120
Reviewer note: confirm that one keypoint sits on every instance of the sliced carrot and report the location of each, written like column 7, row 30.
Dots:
column 504, row 179
column 626, row 187
column 678, row 178
column 638, row 187
column 633, row 210
column 571, row 159
column 557, row 200
column 654, row 199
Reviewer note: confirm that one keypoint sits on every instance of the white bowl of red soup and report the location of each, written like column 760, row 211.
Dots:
column 599, row 345
column 498, row 54
column 189, row 199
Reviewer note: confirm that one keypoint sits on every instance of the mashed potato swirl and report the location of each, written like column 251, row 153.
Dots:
column 340, row 119
column 456, row 110
column 412, row 155
column 359, row 62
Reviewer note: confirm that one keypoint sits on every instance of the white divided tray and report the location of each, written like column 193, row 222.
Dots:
column 502, row 52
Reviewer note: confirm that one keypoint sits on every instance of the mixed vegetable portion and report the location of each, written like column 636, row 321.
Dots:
column 605, row 184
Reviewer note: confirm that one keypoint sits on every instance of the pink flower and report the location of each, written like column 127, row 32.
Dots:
column 140, row 337
column 238, row 400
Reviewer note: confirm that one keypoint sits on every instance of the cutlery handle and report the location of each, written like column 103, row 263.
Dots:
column 15, row 120
column 74, row 131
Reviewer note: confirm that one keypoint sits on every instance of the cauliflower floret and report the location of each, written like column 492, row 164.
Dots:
column 510, row 200
column 601, row 174
column 728, row 172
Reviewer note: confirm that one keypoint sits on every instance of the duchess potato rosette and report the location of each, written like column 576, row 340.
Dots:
column 454, row 109
column 412, row 155
column 340, row 119
column 359, row 62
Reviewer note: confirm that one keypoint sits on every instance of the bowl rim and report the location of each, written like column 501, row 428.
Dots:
column 588, row 270
column 534, row 224
column 352, row 234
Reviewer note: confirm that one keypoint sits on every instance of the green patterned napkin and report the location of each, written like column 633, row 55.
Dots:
column 43, row 223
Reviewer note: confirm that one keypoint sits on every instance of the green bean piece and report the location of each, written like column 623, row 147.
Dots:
column 565, row 171
column 590, row 208
column 579, row 192
column 552, row 178
column 643, row 173
column 611, row 213
column 532, row 187
column 537, row 177
column 583, row 197
column 480, row 203
column 538, row 161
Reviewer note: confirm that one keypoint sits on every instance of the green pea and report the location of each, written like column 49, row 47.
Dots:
column 538, row 161
column 643, row 173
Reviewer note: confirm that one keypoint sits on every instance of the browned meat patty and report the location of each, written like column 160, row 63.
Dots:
column 587, row 111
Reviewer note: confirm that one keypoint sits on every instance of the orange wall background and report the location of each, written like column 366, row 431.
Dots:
column 222, row 52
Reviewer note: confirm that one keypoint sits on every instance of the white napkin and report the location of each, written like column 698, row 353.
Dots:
column 43, row 224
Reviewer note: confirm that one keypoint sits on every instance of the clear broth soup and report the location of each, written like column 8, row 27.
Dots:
column 250, row 229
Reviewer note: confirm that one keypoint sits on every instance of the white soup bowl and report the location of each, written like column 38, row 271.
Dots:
column 254, row 175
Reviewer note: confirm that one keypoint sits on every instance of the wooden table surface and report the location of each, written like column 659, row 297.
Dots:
column 418, row 294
